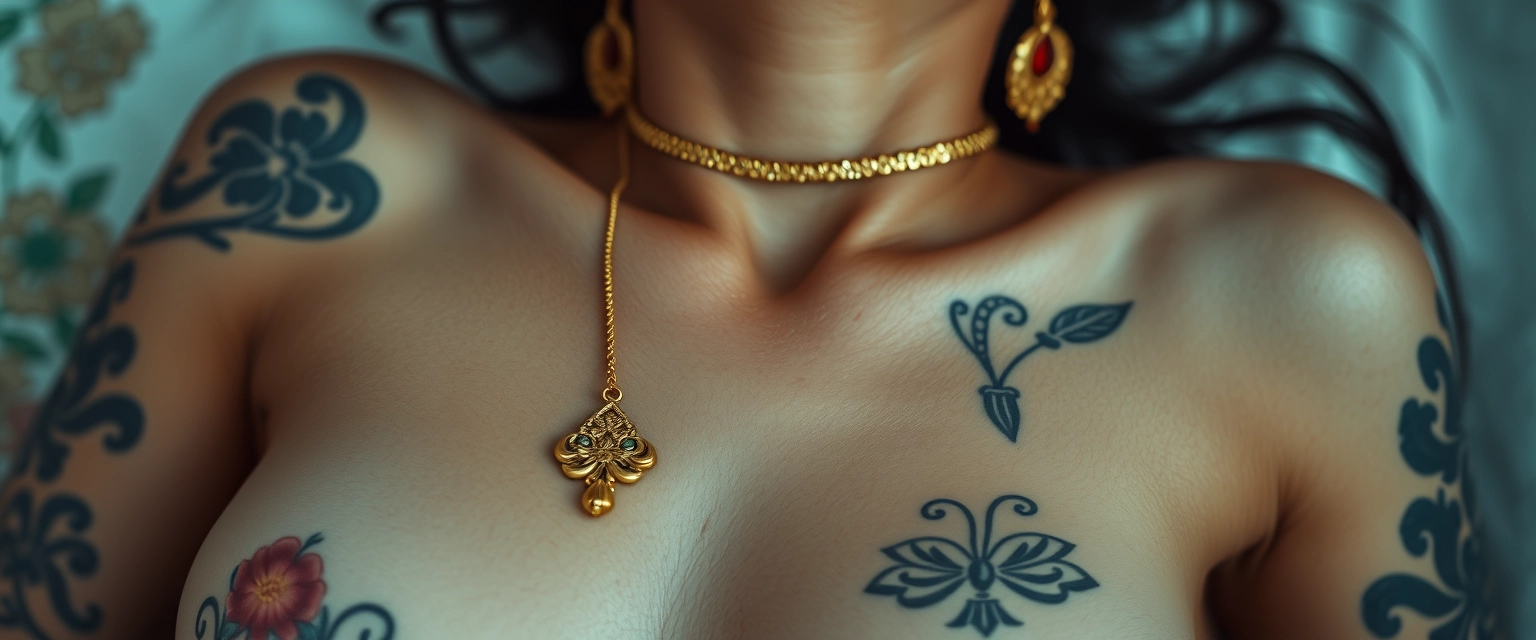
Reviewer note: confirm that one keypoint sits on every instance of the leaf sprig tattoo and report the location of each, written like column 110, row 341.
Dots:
column 1079, row 324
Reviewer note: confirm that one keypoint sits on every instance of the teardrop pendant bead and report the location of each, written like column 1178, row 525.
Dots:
column 598, row 498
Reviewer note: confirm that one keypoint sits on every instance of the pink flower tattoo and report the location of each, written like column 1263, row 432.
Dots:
column 277, row 588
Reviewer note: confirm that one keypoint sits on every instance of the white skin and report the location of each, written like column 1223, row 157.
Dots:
column 1229, row 456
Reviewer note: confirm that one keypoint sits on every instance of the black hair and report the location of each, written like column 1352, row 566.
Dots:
column 1114, row 113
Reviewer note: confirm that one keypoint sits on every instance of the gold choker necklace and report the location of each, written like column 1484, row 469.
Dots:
column 606, row 448
column 827, row 171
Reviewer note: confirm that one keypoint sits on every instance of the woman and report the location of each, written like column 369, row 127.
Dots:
column 318, row 394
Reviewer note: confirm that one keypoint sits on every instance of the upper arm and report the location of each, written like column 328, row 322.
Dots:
column 1375, row 530
column 147, row 433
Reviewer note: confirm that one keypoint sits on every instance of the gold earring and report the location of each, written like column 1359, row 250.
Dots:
column 1040, row 67
column 611, row 60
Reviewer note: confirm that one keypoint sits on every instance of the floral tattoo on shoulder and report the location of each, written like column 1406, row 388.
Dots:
column 279, row 593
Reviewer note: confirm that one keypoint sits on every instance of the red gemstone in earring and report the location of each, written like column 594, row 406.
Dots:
column 1045, row 56
column 611, row 51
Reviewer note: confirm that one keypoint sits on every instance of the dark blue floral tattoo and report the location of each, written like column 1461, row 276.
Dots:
column 1076, row 325
column 1459, row 603
column 281, row 174
column 71, row 409
column 41, row 547
column 930, row 569
column 42, row 544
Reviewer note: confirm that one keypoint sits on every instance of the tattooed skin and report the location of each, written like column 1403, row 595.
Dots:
column 280, row 592
column 43, row 547
column 1080, row 324
column 1458, row 603
column 281, row 175
column 72, row 408
column 929, row 569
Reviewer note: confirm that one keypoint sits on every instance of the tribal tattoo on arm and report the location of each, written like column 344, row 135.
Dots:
column 929, row 569
column 43, row 547
column 1080, row 324
column 280, row 592
column 278, row 174
column 1457, row 602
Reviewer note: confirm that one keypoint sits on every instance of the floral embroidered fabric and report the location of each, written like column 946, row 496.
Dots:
column 68, row 56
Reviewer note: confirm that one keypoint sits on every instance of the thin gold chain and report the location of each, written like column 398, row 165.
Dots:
column 826, row 171
column 611, row 390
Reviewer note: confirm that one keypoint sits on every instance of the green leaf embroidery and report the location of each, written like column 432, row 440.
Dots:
column 230, row 630
column 10, row 24
column 24, row 345
column 86, row 193
column 64, row 327
column 48, row 140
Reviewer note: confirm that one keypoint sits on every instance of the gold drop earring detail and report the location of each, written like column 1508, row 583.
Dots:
column 610, row 60
column 607, row 448
column 1039, row 68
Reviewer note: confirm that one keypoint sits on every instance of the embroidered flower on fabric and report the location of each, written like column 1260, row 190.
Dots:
column 279, row 587
column 83, row 51
column 48, row 259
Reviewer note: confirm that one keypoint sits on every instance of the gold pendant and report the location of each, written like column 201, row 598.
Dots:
column 605, row 449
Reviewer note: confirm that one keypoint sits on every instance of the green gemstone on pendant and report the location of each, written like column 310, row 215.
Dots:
column 628, row 444
column 584, row 441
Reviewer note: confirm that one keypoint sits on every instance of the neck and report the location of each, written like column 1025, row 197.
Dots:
column 807, row 80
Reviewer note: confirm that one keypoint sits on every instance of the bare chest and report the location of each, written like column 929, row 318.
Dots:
column 872, row 465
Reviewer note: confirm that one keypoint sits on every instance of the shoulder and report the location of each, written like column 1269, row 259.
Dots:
column 1279, row 207
column 1282, row 249
column 295, row 163
column 308, row 149
column 276, row 77
column 1310, row 322
column 397, row 103
column 1307, row 294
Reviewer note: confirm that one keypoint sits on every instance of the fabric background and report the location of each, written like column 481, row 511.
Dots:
column 77, row 153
